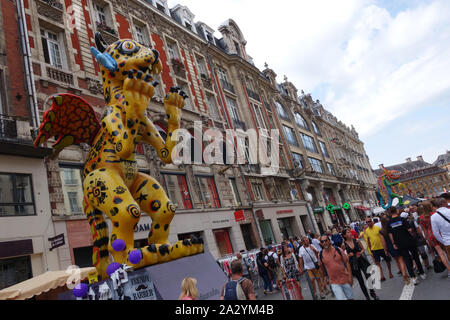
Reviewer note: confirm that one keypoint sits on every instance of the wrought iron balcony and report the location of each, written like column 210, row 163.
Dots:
column 227, row 86
column 52, row 9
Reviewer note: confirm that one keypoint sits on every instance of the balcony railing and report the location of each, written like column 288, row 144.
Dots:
column 8, row 127
column 227, row 86
column 52, row 9
column 109, row 34
column 54, row 3
column 252, row 94
column 207, row 81
column 59, row 75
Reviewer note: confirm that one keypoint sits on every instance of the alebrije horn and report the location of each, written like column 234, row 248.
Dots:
column 100, row 42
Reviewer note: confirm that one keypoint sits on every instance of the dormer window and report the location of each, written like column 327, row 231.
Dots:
column 209, row 36
column 238, row 48
column 160, row 6
column 188, row 25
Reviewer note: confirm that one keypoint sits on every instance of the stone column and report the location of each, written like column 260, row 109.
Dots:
column 353, row 215
column 340, row 202
column 326, row 214
column 276, row 230
column 304, row 186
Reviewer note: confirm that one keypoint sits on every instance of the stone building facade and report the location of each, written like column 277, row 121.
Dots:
column 443, row 161
column 422, row 179
column 233, row 207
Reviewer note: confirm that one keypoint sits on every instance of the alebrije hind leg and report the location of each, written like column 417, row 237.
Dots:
column 100, row 236
column 106, row 191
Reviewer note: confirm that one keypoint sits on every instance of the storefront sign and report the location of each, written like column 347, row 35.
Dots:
column 318, row 210
column 239, row 216
column 142, row 228
column 346, row 206
column 57, row 241
column 285, row 211
column 221, row 221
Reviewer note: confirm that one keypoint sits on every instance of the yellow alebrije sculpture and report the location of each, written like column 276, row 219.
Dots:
column 112, row 184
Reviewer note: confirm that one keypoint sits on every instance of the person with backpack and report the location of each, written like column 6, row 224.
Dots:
column 272, row 258
column 338, row 268
column 400, row 234
column 238, row 287
column 440, row 227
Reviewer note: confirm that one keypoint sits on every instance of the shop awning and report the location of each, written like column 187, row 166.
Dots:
column 40, row 284
column 362, row 208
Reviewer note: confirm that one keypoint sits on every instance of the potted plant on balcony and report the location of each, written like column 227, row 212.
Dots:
column 103, row 26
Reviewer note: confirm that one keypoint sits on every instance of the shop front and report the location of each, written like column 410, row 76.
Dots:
column 279, row 223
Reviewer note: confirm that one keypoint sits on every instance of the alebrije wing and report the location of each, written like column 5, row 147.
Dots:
column 71, row 120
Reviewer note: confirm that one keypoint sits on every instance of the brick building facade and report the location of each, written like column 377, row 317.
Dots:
column 321, row 160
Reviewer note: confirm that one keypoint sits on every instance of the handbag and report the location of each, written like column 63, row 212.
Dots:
column 438, row 266
column 316, row 264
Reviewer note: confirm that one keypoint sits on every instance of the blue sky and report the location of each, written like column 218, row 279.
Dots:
column 380, row 65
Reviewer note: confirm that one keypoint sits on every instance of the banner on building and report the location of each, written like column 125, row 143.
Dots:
column 239, row 215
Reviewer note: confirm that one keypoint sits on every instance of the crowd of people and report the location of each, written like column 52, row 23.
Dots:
column 409, row 235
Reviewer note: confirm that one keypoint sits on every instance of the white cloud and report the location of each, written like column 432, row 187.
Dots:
column 375, row 67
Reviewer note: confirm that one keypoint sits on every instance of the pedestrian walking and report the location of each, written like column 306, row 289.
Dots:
column 336, row 263
column 440, row 224
column 377, row 247
column 263, row 271
column 271, row 257
column 358, row 262
column 238, row 287
column 245, row 268
column 308, row 261
column 189, row 289
column 391, row 250
column 290, row 268
column 400, row 234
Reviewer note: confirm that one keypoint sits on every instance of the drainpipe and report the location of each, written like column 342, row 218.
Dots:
column 29, row 76
column 222, row 106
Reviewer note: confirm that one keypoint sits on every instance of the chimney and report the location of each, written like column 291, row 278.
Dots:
column 420, row 158
column 408, row 160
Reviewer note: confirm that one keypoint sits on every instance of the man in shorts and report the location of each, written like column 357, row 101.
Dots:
column 377, row 246
column 307, row 256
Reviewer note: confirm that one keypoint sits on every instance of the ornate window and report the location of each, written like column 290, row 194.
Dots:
column 290, row 135
column 300, row 121
column 53, row 48
column 316, row 164
column 309, row 144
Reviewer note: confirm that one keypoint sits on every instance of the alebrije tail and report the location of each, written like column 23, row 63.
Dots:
column 100, row 237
